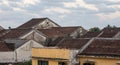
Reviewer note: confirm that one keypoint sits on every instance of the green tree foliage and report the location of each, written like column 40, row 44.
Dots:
column 94, row 29
column 27, row 63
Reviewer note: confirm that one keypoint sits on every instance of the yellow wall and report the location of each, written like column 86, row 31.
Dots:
column 50, row 53
column 51, row 62
column 100, row 61
column 34, row 62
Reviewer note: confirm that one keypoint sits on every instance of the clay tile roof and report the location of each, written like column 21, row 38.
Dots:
column 56, row 41
column 15, row 33
column 66, row 30
column 31, row 23
column 58, row 31
column 103, row 47
column 3, row 32
column 4, row 47
column 111, row 29
column 51, row 32
column 90, row 34
column 109, row 32
column 72, row 43
column 1, row 28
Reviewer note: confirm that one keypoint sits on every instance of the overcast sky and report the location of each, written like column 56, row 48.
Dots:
column 86, row 13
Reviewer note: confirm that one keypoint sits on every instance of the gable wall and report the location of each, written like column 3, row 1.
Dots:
column 33, row 35
column 46, row 24
column 24, row 52
column 78, row 32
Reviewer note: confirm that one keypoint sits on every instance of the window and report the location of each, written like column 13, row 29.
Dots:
column 62, row 63
column 42, row 62
column 88, row 64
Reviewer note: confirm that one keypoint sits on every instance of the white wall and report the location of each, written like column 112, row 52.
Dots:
column 7, row 57
column 24, row 52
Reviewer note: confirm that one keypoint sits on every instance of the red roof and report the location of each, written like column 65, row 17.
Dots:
column 90, row 34
column 58, row 31
column 103, row 47
column 109, row 32
column 66, row 30
column 4, row 47
column 72, row 43
column 15, row 33
column 32, row 23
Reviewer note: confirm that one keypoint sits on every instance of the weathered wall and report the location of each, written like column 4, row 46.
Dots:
column 100, row 61
column 24, row 53
column 79, row 32
column 46, row 24
column 7, row 57
column 73, row 54
column 39, row 38
column 34, row 61
column 33, row 35
column 50, row 53
column 50, row 62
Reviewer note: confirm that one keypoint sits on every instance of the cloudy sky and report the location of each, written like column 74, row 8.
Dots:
column 86, row 13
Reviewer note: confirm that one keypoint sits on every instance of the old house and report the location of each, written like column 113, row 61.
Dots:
column 110, row 33
column 83, row 51
column 104, row 33
column 101, row 51
column 63, row 53
column 16, row 50
column 55, row 34
column 16, row 43
column 39, row 23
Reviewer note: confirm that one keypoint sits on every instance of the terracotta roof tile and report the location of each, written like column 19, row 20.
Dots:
column 103, row 47
column 72, row 43
column 31, row 23
column 109, row 32
column 58, row 31
column 15, row 33
column 51, row 32
column 66, row 30
column 90, row 34
column 56, row 41
column 3, row 32
column 4, row 47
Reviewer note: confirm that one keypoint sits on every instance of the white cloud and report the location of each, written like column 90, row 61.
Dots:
column 5, row 2
column 57, row 10
column 114, row 6
column 1, row 11
column 70, row 4
column 61, row 16
column 109, row 16
column 18, row 9
column 113, row 0
column 80, row 3
column 26, row 3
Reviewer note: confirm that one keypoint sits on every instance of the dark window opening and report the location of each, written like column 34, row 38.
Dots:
column 62, row 63
column 42, row 62
column 88, row 64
